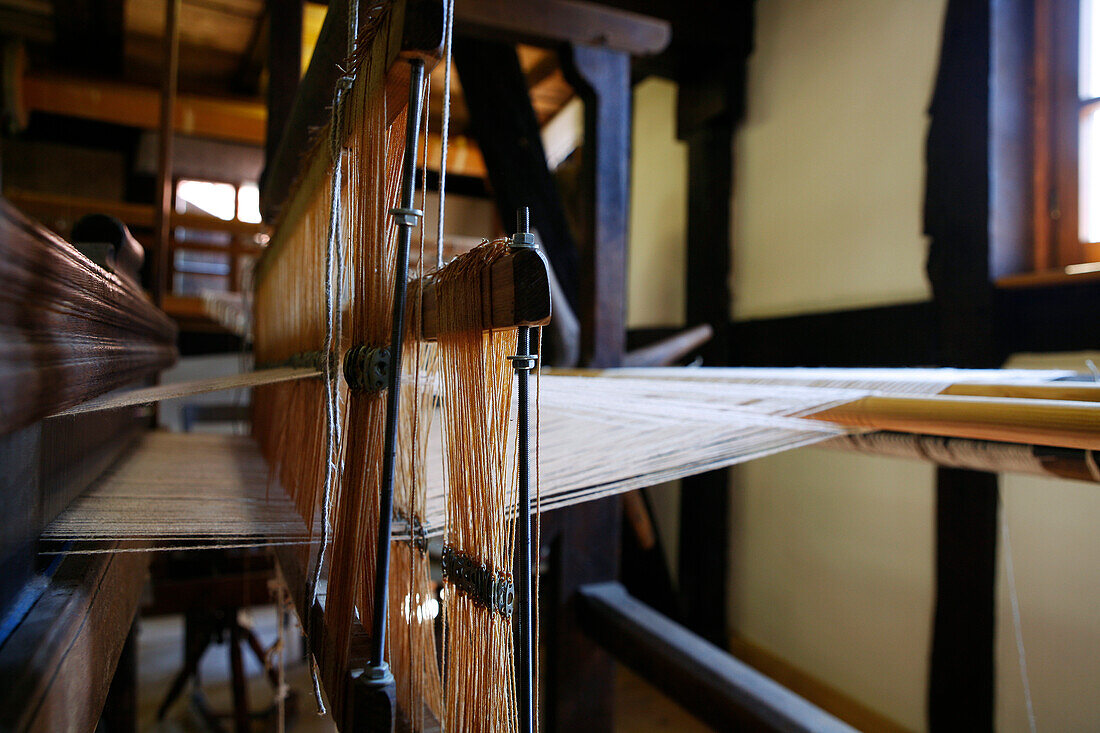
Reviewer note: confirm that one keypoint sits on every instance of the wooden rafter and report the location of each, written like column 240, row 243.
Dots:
column 236, row 120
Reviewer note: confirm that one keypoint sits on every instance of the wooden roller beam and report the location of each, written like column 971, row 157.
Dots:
column 515, row 291
column 1073, row 391
column 1059, row 423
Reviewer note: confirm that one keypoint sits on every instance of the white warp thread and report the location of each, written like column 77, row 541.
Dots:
column 160, row 393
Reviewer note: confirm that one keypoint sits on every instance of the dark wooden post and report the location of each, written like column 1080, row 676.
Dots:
column 508, row 135
column 601, row 77
column 120, row 708
column 704, row 499
column 957, row 218
column 580, row 689
column 165, row 193
column 710, row 102
column 284, row 67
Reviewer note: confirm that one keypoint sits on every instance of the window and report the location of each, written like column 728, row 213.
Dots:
column 1067, row 136
column 216, row 236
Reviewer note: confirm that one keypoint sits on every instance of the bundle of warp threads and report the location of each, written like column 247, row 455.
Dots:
column 476, row 389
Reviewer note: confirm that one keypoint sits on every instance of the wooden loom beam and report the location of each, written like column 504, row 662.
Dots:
column 562, row 21
column 515, row 291
column 57, row 664
column 284, row 63
column 417, row 30
column 508, row 136
column 701, row 677
column 38, row 268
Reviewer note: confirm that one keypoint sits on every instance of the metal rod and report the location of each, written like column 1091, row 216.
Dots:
column 393, row 397
column 522, row 364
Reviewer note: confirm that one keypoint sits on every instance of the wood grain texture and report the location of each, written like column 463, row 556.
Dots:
column 236, row 120
column 515, row 291
column 563, row 21
column 69, row 330
column 703, row 678
column 1058, row 423
column 57, row 665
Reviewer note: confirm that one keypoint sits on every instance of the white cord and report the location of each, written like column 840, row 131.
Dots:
column 448, row 25
column 1010, row 575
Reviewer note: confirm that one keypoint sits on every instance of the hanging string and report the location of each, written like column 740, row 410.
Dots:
column 1010, row 575
column 448, row 25
column 334, row 277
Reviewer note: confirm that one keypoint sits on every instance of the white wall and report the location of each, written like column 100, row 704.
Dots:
column 831, row 570
column 832, row 554
column 829, row 162
column 658, row 210
column 1056, row 555
column 1055, row 552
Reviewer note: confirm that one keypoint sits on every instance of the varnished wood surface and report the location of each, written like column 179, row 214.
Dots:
column 71, row 330
column 515, row 291
column 703, row 678
column 563, row 21
column 285, row 173
column 56, row 666
column 1073, row 391
column 1038, row 422
column 220, row 118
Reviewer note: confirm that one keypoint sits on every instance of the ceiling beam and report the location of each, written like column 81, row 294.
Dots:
column 562, row 21
column 235, row 120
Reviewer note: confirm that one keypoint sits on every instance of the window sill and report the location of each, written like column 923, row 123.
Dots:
column 1050, row 278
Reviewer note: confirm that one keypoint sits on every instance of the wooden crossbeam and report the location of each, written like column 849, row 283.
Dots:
column 705, row 680
column 563, row 21
column 235, row 120
column 44, row 206
column 515, row 291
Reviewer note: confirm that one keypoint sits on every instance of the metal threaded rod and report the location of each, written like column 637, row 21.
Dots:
column 389, row 449
column 523, row 363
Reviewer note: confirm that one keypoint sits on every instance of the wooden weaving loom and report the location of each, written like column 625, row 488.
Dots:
column 1059, row 417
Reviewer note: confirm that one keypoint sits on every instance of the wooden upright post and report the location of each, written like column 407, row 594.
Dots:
column 601, row 77
column 284, row 67
column 508, row 135
column 957, row 219
column 710, row 102
column 161, row 285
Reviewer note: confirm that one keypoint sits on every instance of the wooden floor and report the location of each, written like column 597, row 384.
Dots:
column 639, row 707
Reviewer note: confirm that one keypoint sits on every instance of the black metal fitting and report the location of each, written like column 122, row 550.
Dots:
column 417, row 535
column 523, row 362
column 523, row 238
column 373, row 699
column 408, row 217
column 484, row 585
column 367, row 368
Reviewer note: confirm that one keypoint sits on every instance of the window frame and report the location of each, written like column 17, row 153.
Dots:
column 1057, row 112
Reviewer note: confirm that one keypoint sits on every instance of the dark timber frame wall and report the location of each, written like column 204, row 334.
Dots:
column 957, row 219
